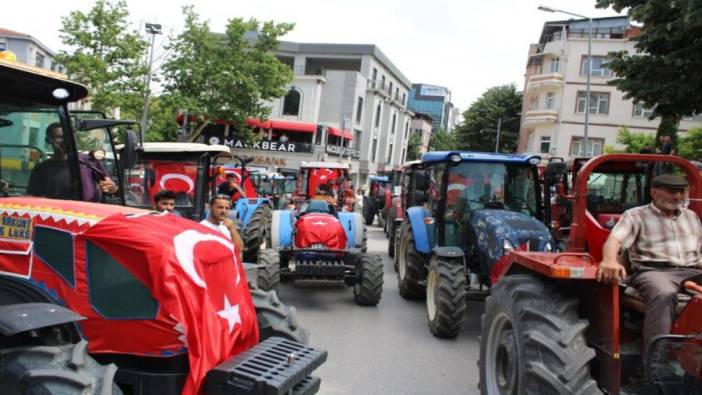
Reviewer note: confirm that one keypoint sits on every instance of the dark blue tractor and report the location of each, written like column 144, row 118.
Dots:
column 477, row 207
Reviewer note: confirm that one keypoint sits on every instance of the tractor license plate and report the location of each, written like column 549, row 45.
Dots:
column 318, row 246
column 577, row 272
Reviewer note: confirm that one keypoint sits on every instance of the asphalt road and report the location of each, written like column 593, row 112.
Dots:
column 386, row 349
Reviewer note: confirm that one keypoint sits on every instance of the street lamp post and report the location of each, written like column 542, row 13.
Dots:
column 153, row 29
column 497, row 139
column 583, row 149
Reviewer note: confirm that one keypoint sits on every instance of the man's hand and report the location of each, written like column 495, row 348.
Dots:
column 107, row 186
column 610, row 272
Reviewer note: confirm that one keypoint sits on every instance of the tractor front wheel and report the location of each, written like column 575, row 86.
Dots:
column 410, row 267
column 275, row 318
column 533, row 341
column 446, row 297
column 268, row 276
column 369, row 289
column 63, row 369
column 255, row 237
column 368, row 211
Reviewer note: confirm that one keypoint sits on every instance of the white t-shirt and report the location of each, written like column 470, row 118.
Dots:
column 219, row 228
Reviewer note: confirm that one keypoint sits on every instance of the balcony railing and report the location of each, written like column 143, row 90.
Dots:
column 378, row 86
column 545, row 81
column 540, row 117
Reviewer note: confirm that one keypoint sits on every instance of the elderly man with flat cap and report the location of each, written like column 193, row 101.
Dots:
column 664, row 242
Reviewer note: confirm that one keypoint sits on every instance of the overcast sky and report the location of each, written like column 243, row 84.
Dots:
column 467, row 46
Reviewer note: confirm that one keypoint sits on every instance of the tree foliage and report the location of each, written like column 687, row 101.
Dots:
column 666, row 71
column 441, row 140
column 414, row 145
column 226, row 76
column 104, row 54
column 633, row 142
column 690, row 146
column 478, row 130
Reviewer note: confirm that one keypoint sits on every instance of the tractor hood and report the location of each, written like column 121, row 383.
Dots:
column 494, row 229
column 318, row 230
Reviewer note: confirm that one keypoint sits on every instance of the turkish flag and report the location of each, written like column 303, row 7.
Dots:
column 319, row 228
column 194, row 274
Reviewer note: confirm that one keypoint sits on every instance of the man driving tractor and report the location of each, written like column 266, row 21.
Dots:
column 664, row 242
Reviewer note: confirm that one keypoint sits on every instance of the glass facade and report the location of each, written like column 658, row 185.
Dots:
column 433, row 105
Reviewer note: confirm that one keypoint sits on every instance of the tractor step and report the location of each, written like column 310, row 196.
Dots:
column 273, row 367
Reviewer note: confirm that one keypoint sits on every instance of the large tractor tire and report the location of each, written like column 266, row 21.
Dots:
column 255, row 235
column 64, row 369
column 275, row 318
column 369, row 290
column 391, row 239
column 268, row 276
column 446, row 297
column 533, row 341
column 368, row 211
column 364, row 240
column 410, row 268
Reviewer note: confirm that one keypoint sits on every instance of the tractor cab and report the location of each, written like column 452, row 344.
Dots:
column 334, row 175
column 409, row 185
column 379, row 190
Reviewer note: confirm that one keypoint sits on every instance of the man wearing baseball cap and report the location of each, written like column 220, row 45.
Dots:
column 664, row 242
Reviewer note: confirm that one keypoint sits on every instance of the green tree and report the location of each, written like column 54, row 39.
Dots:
column 479, row 128
column 104, row 54
column 441, row 140
column 226, row 76
column 414, row 146
column 163, row 111
column 690, row 147
column 666, row 71
column 633, row 142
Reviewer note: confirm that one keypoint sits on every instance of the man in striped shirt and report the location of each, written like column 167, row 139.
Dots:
column 664, row 242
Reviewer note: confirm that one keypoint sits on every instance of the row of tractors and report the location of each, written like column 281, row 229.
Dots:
column 526, row 239
column 112, row 298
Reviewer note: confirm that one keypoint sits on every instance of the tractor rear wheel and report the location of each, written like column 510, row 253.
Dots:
column 369, row 289
column 533, row 341
column 368, row 211
column 446, row 297
column 268, row 276
column 391, row 239
column 275, row 318
column 410, row 268
column 64, row 369
column 255, row 237
column 364, row 240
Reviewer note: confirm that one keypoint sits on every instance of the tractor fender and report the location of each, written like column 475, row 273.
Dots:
column 281, row 228
column 246, row 208
column 21, row 317
column 353, row 226
column 416, row 216
column 448, row 252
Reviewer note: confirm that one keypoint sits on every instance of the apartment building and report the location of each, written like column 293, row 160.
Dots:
column 347, row 102
column 28, row 50
column 422, row 124
column 553, row 119
column 434, row 101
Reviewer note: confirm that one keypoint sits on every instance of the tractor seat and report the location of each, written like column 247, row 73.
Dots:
column 319, row 206
column 632, row 299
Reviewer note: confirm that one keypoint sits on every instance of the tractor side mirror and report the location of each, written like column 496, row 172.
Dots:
column 553, row 171
column 128, row 156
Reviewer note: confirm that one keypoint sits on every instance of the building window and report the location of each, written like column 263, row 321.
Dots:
column 389, row 160
column 404, row 98
column 533, row 103
column 382, row 82
column 545, row 144
column 397, row 93
column 555, row 65
column 390, row 90
column 374, row 149
column 375, row 74
column 599, row 67
column 599, row 102
column 357, row 139
column 550, row 101
column 39, row 60
column 377, row 114
column 53, row 66
column 406, row 129
column 291, row 103
column 359, row 110
column 394, row 121
column 594, row 146
column 3, row 45
column 641, row 111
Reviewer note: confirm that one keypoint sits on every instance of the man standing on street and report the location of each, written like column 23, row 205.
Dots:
column 664, row 242
column 217, row 220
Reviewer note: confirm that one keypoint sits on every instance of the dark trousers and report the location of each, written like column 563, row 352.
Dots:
column 659, row 287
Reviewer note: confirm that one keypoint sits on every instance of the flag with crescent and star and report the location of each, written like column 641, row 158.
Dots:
column 193, row 272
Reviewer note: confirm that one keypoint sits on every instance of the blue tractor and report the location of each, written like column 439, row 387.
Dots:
column 476, row 208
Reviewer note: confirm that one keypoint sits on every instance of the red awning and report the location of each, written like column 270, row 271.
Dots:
column 340, row 133
column 283, row 125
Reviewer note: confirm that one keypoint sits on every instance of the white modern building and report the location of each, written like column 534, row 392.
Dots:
column 347, row 102
column 553, row 112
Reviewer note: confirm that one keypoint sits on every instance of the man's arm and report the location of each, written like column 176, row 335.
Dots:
column 610, row 270
column 238, row 242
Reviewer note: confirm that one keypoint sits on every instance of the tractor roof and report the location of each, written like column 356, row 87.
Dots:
column 325, row 165
column 171, row 147
column 467, row 156
column 37, row 85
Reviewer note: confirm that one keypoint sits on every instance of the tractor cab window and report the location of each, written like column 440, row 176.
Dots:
column 34, row 154
column 615, row 193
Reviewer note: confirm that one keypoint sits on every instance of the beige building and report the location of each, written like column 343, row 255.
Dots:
column 553, row 110
column 422, row 124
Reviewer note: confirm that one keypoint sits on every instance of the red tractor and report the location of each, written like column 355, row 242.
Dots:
column 550, row 328
column 406, row 181
column 98, row 298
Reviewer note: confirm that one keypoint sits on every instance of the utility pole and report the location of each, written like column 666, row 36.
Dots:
column 497, row 140
column 153, row 29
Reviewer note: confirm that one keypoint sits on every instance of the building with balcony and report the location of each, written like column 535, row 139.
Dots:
column 553, row 111
column 434, row 101
column 347, row 102
column 28, row 50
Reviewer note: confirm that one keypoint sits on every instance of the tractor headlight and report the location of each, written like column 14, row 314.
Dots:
column 534, row 160
column 507, row 246
column 455, row 158
column 548, row 247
